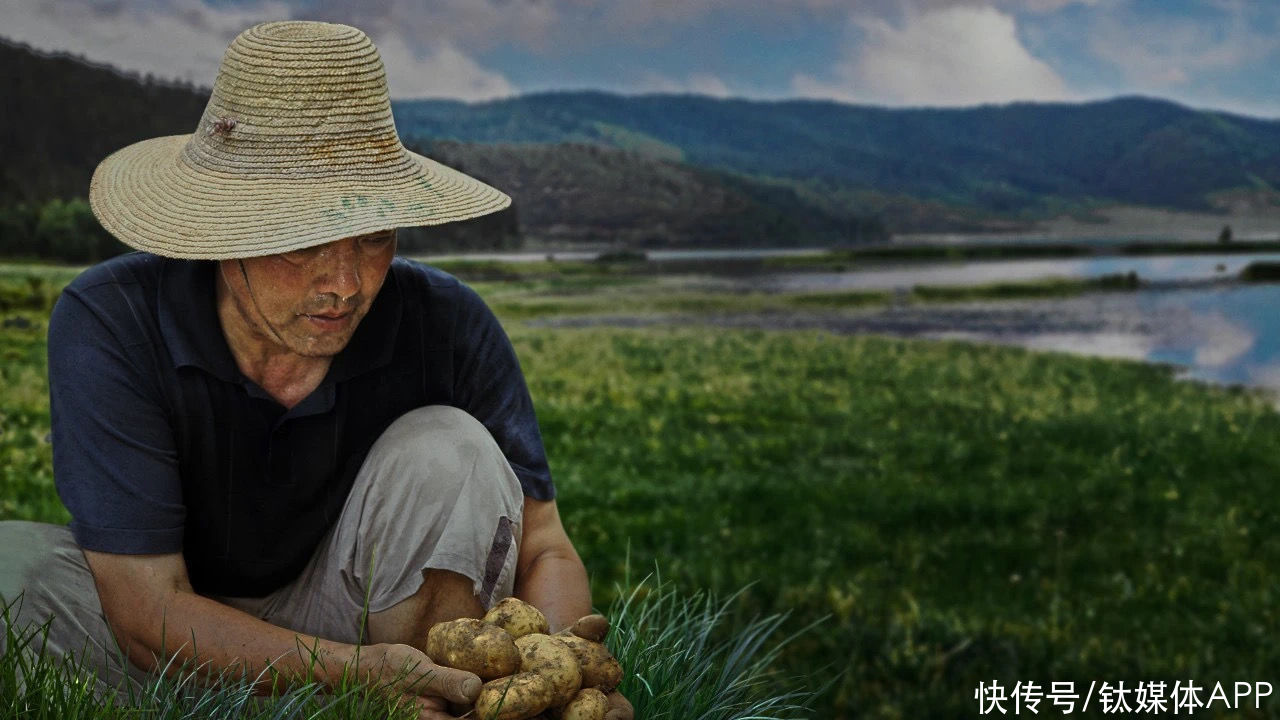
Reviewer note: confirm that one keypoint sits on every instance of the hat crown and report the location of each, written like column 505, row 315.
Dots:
column 298, row 99
column 296, row 148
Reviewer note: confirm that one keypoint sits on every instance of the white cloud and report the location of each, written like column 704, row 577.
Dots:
column 471, row 26
column 185, row 40
column 699, row 83
column 443, row 72
column 954, row 55
column 1044, row 6
column 1160, row 52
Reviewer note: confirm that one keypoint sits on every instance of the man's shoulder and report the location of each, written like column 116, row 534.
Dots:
column 417, row 279
column 414, row 271
column 119, row 297
column 135, row 269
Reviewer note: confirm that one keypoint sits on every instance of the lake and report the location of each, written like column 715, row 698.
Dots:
column 1192, row 314
column 1155, row 268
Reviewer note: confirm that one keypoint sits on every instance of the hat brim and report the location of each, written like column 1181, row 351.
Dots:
column 153, row 199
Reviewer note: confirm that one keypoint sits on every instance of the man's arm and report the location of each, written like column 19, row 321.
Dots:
column 152, row 609
column 549, row 573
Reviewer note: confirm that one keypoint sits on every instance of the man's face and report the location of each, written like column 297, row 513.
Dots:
column 310, row 301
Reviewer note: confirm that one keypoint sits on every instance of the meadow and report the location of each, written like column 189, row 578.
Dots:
column 921, row 516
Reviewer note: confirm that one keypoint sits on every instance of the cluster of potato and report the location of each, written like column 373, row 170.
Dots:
column 527, row 672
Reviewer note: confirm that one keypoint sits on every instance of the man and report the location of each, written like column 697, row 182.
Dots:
column 281, row 446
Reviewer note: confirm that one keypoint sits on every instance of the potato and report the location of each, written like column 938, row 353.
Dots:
column 475, row 646
column 518, row 697
column 517, row 617
column 591, row 627
column 599, row 668
column 552, row 659
column 588, row 704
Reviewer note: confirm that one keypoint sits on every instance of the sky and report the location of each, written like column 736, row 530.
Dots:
column 1214, row 54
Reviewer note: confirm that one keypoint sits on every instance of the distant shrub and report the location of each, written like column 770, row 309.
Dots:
column 59, row 229
column 1261, row 272
column 622, row 256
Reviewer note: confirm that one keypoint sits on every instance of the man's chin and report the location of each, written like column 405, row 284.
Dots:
column 320, row 347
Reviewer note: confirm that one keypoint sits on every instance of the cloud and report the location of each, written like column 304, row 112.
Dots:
column 699, row 83
column 955, row 55
column 443, row 72
column 897, row 52
column 470, row 26
column 1044, row 6
column 1161, row 52
column 185, row 40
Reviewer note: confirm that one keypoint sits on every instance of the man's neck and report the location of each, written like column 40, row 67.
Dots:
column 287, row 376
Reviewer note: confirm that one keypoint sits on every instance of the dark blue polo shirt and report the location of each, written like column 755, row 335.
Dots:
column 161, row 444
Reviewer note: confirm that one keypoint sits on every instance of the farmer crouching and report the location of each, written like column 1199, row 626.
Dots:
column 279, row 442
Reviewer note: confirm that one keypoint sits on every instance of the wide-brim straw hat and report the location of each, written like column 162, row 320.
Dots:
column 297, row 147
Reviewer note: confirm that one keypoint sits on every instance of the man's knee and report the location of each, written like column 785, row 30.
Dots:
column 440, row 445
column 436, row 492
column 46, row 584
column 39, row 560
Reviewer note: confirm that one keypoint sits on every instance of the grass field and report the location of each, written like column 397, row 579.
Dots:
column 953, row 513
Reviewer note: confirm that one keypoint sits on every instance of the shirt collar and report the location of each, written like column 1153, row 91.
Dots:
column 374, row 343
column 189, row 322
column 189, row 318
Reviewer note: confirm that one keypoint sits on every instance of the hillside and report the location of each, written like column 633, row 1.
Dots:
column 62, row 115
column 573, row 192
column 52, row 140
column 665, row 170
column 1024, row 159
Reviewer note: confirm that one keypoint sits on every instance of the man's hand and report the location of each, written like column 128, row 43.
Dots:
column 594, row 628
column 405, row 671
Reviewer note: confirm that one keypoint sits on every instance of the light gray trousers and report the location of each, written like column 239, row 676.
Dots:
column 435, row 492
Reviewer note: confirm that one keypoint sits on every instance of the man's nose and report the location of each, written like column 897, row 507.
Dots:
column 339, row 269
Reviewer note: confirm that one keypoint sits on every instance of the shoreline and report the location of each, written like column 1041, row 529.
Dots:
column 1143, row 325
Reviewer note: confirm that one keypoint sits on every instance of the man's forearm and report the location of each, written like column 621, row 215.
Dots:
column 556, row 583
column 196, row 631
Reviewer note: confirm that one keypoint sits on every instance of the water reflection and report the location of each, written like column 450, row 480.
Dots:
column 1239, row 341
column 1159, row 268
column 1227, row 335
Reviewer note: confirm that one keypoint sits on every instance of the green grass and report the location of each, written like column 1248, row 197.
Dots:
column 961, row 512
column 681, row 662
column 637, row 295
column 951, row 513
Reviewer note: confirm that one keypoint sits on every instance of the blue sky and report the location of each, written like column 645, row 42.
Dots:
column 1218, row 54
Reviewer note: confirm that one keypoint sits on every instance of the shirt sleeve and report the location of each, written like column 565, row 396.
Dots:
column 114, row 455
column 489, row 384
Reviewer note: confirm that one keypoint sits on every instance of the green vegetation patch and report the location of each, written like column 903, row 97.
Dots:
column 951, row 512
column 957, row 512
column 1261, row 272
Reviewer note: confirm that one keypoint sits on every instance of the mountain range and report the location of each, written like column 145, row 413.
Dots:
column 1020, row 159
column 662, row 170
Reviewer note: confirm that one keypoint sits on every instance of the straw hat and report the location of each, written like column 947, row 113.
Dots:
column 297, row 147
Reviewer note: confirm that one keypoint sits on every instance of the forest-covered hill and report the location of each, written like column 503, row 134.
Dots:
column 670, row 170
column 65, row 114
column 1024, row 158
